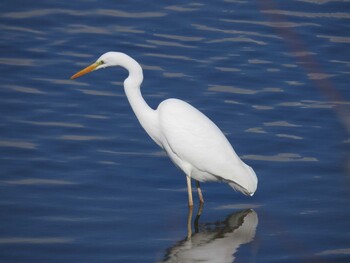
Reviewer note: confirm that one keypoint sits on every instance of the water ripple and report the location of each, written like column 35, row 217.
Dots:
column 236, row 90
column 233, row 32
column 339, row 251
column 337, row 15
column 18, row 144
column 280, row 24
column 237, row 39
column 36, row 240
column 184, row 8
column 77, row 168
column 180, row 37
column 81, row 138
column 281, row 157
column 103, row 12
column 289, row 136
column 37, row 181
column 53, row 124
column 24, row 89
column 336, row 39
column 281, row 124
column 18, row 62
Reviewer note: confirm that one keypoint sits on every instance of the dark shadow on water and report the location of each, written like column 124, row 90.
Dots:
column 214, row 242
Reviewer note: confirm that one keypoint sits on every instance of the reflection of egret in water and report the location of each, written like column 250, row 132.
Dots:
column 215, row 242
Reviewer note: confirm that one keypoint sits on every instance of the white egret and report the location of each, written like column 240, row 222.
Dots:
column 191, row 140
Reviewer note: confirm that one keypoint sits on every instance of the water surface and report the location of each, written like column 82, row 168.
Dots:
column 82, row 182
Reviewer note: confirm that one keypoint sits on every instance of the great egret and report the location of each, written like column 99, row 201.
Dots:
column 191, row 140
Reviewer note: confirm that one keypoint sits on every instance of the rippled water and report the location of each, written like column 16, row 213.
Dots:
column 82, row 182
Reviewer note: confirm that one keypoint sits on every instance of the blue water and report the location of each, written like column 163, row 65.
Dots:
column 82, row 182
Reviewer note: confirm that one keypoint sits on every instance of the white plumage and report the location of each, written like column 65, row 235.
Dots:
column 191, row 140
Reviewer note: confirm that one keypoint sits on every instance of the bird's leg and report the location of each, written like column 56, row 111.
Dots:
column 201, row 200
column 189, row 190
column 189, row 221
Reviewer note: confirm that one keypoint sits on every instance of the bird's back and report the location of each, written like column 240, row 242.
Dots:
column 196, row 140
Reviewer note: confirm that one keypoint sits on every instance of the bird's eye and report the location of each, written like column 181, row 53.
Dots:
column 102, row 62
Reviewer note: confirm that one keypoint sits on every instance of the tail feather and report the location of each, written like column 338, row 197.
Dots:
column 246, row 182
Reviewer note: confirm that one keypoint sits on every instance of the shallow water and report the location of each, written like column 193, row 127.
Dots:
column 82, row 182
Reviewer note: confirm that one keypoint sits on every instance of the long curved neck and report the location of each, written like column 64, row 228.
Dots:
column 132, row 87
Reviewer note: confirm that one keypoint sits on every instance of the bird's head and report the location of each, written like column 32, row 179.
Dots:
column 106, row 60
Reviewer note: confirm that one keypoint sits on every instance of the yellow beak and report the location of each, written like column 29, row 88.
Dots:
column 85, row 71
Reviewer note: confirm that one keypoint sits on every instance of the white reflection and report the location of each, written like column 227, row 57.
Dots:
column 24, row 89
column 38, row 181
column 281, row 124
column 149, row 154
column 339, row 15
column 216, row 242
column 81, row 138
column 174, row 75
column 294, row 83
column 237, row 39
column 62, row 81
column 289, row 136
column 320, row 75
column 78, row 29
column 262, row 107
column 18, row 144
column 236, row 90
column 170, row 56
column 179, row 37
column 258, row 61
column 269, row 23
column 255, row 130
column 17, row 62
column 75, row 54
column 312, row 104
column 99, row 93
column 54, row 124
column 340, row 251
column 100, row 12
column 228, row 69
column 188, row 8
column 281, row 157
column 238, row 206
column 36, row 240
column 168, row 44
column 120, row 13
column 336, row 39
column 21, row 29
column 233, row 31
column 319, row 2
